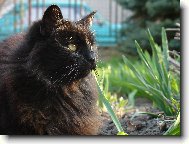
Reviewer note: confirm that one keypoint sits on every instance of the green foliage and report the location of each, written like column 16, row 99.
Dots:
column 150, row 77
column 153, row 77
column 152, row 14
column 162, row 8
column 158, row 82
column 104, row 101
column 122, row 133
column 117, row 102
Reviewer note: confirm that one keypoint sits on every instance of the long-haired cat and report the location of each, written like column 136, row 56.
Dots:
column 46, row 86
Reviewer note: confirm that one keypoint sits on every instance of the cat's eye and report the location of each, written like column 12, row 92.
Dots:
column 72, row 47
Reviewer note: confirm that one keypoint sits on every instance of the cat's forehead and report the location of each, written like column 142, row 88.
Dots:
column 65, row 27
column 72, row 26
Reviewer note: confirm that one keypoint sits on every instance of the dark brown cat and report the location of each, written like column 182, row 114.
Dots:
column 45, row 82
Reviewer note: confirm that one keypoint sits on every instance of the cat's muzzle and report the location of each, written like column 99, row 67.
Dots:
column 92, row 60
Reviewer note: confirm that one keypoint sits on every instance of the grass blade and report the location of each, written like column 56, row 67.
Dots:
column 165, row 48
column 144, row 59
column 128, row 63
column 155, row 54
column 110, row 111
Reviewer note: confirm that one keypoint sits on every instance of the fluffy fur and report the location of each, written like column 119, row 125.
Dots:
column 46, row 88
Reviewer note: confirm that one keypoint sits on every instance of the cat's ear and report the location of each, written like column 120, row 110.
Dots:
column 87, row 20
column 50, row 18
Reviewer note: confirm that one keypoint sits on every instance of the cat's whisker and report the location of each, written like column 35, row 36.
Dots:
column 63, row 75
column 58, row 80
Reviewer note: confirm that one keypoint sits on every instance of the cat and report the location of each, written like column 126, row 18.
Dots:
column 46, row 85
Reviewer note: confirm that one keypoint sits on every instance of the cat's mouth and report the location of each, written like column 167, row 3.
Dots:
column 92, row 66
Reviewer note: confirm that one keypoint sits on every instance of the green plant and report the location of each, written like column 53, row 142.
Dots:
column 162, row 83
column 157, row 80
column 175, row 127
column 117, row 102
column 156, row 77
column 104, row 101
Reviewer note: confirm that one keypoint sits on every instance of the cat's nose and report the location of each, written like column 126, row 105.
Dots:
column 92, row 57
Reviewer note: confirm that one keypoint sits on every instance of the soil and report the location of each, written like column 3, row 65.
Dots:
column 134, row 123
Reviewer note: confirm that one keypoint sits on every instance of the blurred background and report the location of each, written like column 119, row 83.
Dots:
column 134, row 77
column 17, row 15
column 118, row 22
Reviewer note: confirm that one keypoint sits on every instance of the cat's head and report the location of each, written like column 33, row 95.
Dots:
column 66, row 50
